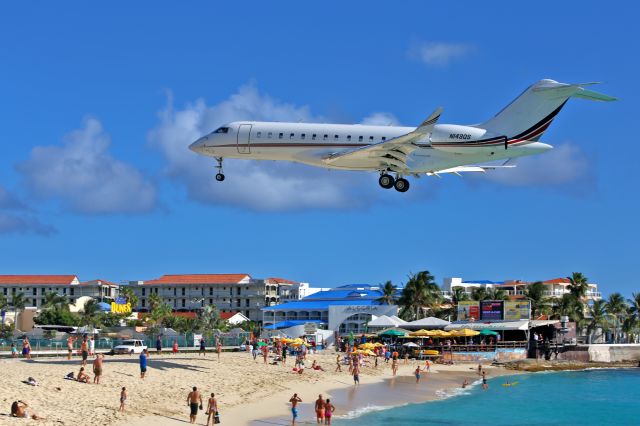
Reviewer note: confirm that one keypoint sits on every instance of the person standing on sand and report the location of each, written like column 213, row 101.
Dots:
column 97, row 368
column 143, row 363
column 92, row 346
column 203, row 349
column 294, row 407
column 84, row 349
column 123, row 399
column 218, row 347
column 212, row 409
column 14, row 351
column 284, row 355
column 356, row 374
column 174, row 349
column 194, row 401
column 319, row 407
column 394, row 366
column 159, row 344
column 70, row 342
column 338, row 367
column 265, row 353
column 328, row 411
column 26, row 348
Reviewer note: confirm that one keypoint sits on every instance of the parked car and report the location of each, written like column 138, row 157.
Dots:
column 132, row 346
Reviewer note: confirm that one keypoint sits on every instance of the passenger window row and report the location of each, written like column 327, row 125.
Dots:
column 313, row 136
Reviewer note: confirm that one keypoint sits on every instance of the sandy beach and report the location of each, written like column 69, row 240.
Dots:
column 247, row 391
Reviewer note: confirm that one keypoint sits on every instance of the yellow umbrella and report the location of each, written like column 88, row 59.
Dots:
column 466, row 332
column 421, row 333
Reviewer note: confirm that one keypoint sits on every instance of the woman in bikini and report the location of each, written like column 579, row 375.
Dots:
column 328, row 411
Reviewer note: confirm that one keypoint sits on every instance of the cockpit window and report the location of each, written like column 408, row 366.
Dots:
column 222, row 130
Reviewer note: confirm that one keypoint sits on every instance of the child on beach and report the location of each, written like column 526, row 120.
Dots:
column 123, row 399
column 174, row 349
column 14, row 350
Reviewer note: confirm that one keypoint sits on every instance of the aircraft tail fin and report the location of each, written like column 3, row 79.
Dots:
column 531, row 113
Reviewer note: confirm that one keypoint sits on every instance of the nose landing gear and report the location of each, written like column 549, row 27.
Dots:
column 219, row 175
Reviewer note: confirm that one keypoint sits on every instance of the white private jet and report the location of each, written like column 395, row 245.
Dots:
column 395, row 152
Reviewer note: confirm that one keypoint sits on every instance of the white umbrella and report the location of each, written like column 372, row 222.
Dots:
column 410, row 344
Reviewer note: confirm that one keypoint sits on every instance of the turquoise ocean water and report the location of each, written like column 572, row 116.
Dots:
column 592, row 397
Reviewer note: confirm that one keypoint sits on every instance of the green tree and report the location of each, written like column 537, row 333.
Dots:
column 90, row 313
column 578, row 285
column 154, row 301
column 634, row 305
column 479, row 294
column 419, row 294
column 388, row 294
column 55, row 301
column 57, row 317
column 494, row 293
column 568, row 305
column 19, row 302
column 458, row 295
column 617, row 309
column 539, row 303
column 597, row 318
column 3, row 302
column 130, row 296
column 207, row 320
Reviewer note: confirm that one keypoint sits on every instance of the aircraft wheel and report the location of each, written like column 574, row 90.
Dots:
column 401, row 185
column 219, row 177
column 386, row 181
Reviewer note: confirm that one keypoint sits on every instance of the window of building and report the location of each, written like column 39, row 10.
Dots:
column 211, row 301
column 258, row 134
column 144, row 291
column 184, row 302
column 280, row 135
column 175, row 291
column 360, row 138
column 246, row 303
column 35, row 291
column 143, row 302
column 238, row 302
column 313, row 137
column 4, row 290
column 349, row 138
column 246, row 313
column 210, row 291
column 325, row 137
column 72, row 290
column 336, row 137
column 269, row 135
column 174, row 303
column 238, row 291
column 303, row 135
column 183, row 291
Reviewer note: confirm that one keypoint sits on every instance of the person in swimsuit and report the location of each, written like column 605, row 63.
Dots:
column 203, row 348
column 328, row 411
column 356, row 374
column 70, row 342
column 26, row 348
column 143, row 363
column 82, row 376
column 97, row 368
column 212, row 409
column 92, row 346
column 123, row 398
column 218, row 348
column 84, row 348
column 284, row 354
column 394, row 366
column 465, row 383
column 294, row 407
column 19, row 409
column 175, row 347
column 159, row 344
column 319, row 407
column 338, row 367
column 194, row 401
column 485, row 386
column 14, row 350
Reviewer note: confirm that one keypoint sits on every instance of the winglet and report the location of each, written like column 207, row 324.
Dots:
column 427, row 125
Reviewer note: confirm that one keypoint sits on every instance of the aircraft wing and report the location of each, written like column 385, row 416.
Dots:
column 391, row 154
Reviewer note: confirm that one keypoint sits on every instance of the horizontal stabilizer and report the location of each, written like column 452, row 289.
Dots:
column 576, row 91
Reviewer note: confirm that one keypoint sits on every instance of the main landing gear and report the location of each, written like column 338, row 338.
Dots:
column 387, row 182
column 219, row 175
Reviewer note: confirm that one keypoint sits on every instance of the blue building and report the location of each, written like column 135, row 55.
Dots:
column 346, row 309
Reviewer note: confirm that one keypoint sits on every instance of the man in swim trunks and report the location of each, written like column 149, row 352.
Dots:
column 320, row 409
column 143, row 364
column 356, row 374
column 97, row 368
column 70, row 342
column 417, row 374
column 84, row 348
column 485, row 386
column 294, row 407
column 203, row 348
column 194, row 400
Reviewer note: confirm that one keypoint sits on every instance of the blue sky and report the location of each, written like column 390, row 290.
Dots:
column 100, row 103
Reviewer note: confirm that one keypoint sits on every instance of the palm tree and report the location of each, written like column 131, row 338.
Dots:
column 18, row 301
column 496, row 294
column 479, row 294
column 568, row 305
column 617, row 308
column 419, row 293
column 130, row 296
column 388, row 294
column 154, row 301
column 634, row 304
column 597, row 318
column 3, row 302
column 90, row 312
column 578, row 285
column 458, row 295
column 54, row 300
column 539, row 303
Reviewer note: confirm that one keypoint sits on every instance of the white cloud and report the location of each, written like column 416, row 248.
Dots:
column 16, row 217
column 565, row 165
column 380, row 119
column 85, row 177
column 440, row 53
column 266, row 186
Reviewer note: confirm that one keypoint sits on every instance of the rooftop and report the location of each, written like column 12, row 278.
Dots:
column 199, row 279
column 39, row 279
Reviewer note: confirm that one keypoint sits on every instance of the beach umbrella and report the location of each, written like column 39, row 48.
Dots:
column 260, row 344
column 465, row 332
column 410, row 345
column 392, row 332
column 486, row 332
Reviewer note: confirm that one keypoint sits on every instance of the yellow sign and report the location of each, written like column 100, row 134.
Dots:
column 515, row 311
column 118, row 308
